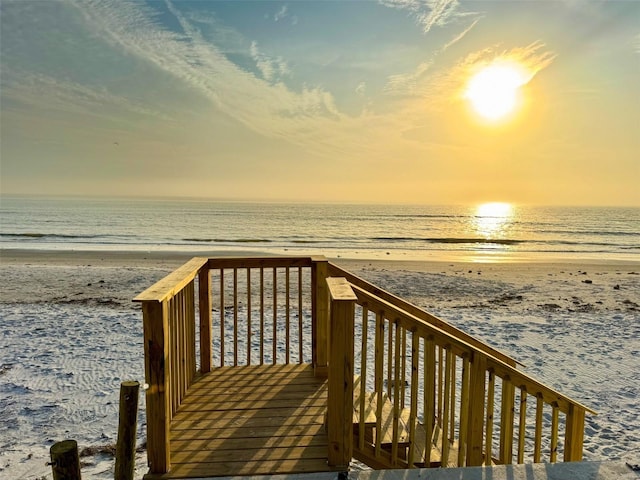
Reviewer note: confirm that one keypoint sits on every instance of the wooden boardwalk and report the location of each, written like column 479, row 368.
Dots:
column 250, row 420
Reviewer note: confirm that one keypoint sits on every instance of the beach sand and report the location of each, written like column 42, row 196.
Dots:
column 70, row 334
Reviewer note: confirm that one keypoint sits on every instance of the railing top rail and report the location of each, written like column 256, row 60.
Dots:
column 520, row 379
column 420, row 314
column 172, row 283
column 500, row 368
column 261, row 262
column 176, row 280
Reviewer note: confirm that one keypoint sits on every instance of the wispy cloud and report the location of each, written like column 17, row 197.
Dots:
column 407, row 84
column 271, row 68
column 461, row 35
column 282, row 13
column 265, row 105
column 429, row 13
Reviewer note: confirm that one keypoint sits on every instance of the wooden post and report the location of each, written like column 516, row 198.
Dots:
column 155, row 318
column 320, row 327
column 475, row 454
column 340, row 401
column 128, row 419
column 574, row 434
column 204, row 294
column 65, row 461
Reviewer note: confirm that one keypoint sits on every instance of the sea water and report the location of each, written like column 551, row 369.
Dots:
column 500, row 232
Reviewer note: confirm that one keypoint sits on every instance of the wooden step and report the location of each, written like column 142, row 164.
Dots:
column 370, row 418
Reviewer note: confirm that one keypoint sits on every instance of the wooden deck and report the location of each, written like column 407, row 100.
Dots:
column 250, row 420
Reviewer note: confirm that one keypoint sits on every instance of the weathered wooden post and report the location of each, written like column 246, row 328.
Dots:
column 128, row 419
column 340, row 382
column 65, row 461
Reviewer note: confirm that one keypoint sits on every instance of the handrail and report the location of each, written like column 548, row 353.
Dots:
column 169, row 313
column 420, row 314
column 172, row 283
column 447, row 394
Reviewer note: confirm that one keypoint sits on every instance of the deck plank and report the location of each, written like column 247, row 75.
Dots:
column 250, row 421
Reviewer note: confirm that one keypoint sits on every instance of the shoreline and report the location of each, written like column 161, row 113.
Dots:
column 141, row 257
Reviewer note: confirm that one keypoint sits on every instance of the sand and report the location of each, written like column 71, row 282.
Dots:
column 69, row 334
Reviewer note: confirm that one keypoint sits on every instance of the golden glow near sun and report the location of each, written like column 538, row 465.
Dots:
column 492, row 219
column 494, row 91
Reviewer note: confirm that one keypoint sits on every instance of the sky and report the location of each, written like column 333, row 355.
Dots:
column 331, row 101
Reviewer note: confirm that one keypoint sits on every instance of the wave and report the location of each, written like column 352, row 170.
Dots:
column 47, row 235
column 495, row 241
column 227, row 240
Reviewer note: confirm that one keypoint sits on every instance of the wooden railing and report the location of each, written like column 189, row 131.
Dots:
column 251, row 311
column 425, row 397
column 443, row 386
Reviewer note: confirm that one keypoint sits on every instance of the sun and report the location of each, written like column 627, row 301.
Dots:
column 494, row 91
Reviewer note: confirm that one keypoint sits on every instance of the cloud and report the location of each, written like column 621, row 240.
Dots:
column 461, row 35
column 265, row 105
column 407, row 83
column 282, row 13
column 429, row 13
column 270, row 68
column 361, row 89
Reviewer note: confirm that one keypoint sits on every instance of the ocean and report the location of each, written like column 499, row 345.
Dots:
column 488, row 232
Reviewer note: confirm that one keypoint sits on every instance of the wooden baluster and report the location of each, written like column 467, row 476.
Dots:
column 204, row 296
column 300, row 336
column 320, row 317
column 396, row 393
column 464, row 411
column 441, row 369
column 447, row 396
column 522, row 427
column 249, row 306
column 182, row 344
column 389, row 359
column 235, row 317
column 172, row 356
column 379, row 374
column 553, row 457
column 429, row 395
column 413, row 408
column 403, row 374
column 488, row 459
column 452, row 409
column 189, row 322
column 222, row 333
column 537, row 448
column 275, row 316
column 261, row 316
column 574, row 434
column 363, row 376
column 287, row 317
column 506, row 421
column 184, row 380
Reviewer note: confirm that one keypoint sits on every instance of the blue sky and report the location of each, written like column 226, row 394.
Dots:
column 318, row 100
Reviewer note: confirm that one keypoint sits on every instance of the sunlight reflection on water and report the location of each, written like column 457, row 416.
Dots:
column 493, row 220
